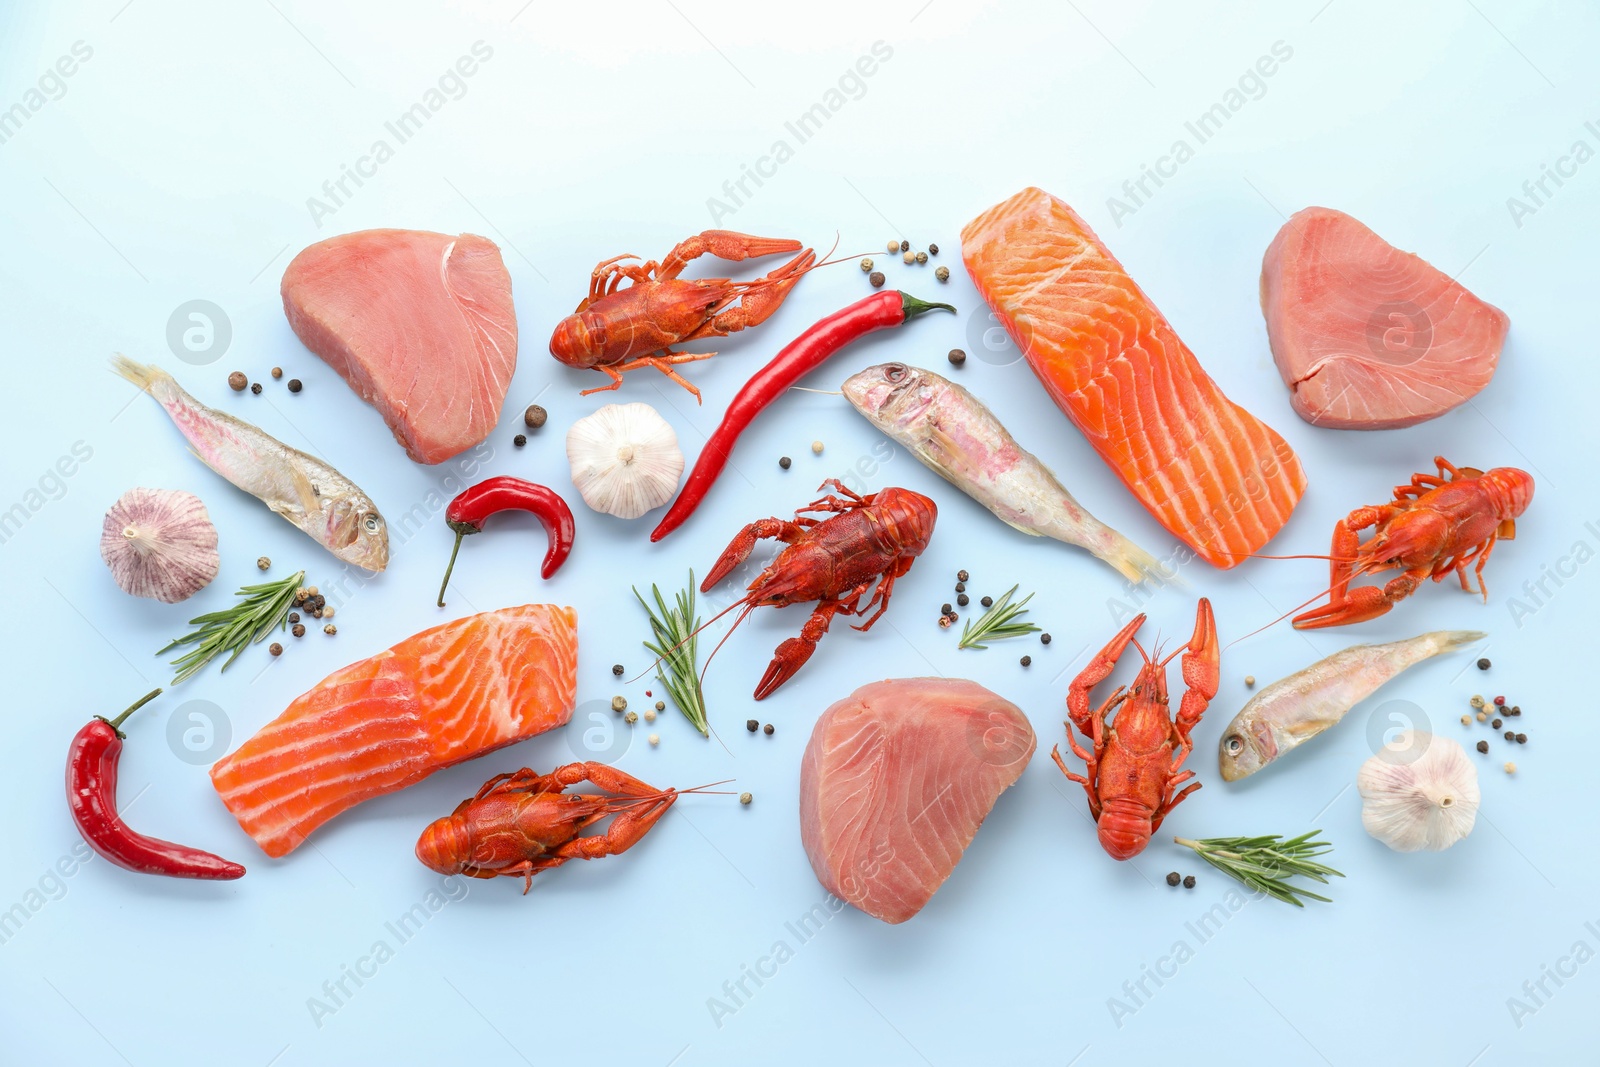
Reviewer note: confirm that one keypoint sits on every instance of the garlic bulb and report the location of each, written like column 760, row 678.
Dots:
column 159, row 543
column 1420, row 792
column 625, row 459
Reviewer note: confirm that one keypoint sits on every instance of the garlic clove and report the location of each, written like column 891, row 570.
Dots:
column 1419, row 793
column 159, row 543
column 625, row 459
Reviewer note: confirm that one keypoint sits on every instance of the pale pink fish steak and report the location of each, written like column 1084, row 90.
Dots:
column 1368, row 337
column 419, row 324
column 895, row 782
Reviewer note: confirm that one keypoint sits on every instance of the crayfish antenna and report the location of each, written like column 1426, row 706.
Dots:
column 743, row 602
column 692, row 635
column 1357, row 573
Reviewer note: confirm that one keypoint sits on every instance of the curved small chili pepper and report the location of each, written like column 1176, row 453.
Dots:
column 800, row 356
column 92, row 799
column 472, row 507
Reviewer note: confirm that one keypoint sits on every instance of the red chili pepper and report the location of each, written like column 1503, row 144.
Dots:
column 802, row 355
column 92, row 798
column 472, row 507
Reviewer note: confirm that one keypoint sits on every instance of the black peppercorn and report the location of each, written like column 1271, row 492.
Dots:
column 963, row 599
column 298, row 629
column 987, row 601
column 1483, row 746
column 752, row 725
column 294, row 385
column 945, row 609
column 1188, row 881
column 616, row 668
column 767, row 729
column 1522, row 739
column 905, row 246
column 784, row 462
column 1044, row 639
column 1496, row 724
column 520, row 440
column 1515, row 710
column 1173, row 878
column 961, row 587
column 255, row 387
column 1026, row 660
column 1511, row 735
column 294, row 616
column 1483, row 664
column 962, row 576
column 876, row 278
column 933, row 250
column 957, row 357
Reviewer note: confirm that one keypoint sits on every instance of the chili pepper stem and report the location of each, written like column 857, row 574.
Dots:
column 116, row 724
column 912, row 307
column 460, row 533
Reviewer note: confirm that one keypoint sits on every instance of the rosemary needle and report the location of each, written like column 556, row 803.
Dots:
column 1267, row 863
column 676, row 646
column 998, row 623
column 235, row 628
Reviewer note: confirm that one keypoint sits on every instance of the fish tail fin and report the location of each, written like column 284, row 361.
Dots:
column 1450, row 640
column 1134, row 563
column 144, row 375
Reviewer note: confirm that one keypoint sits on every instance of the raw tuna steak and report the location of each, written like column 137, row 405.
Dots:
column 420, row 324
column 896, row 780
column 1368, row 337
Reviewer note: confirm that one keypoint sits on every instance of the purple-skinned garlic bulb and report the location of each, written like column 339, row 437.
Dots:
column 159, row 543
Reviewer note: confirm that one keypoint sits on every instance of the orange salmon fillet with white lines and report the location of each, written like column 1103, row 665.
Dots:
column 1209, row 471
column 444, row 695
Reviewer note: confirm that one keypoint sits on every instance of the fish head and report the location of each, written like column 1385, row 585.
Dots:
column 578, row 340
column 357, row 533
column 1247, row 745
column 890, row 392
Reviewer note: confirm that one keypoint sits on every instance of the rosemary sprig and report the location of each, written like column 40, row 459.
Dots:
column 676, row 647
column 235, row 628
column 1267, row 863
column 998, row 623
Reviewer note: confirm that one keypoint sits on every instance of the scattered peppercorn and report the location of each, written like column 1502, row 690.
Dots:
column 294, row 616
column 816, row 448
column 943, row 274
column 1044, row 639
column 655, row 739
column 1483, row 664
column 237, row 381
column 649, row 714
column 987, row 601
column 1483, row 716
column 957, row 357
column 1483, row 746
column 330, row 629
column 784, row 461
column 631, row 718
column 1514, row 710
column 945, row 609
column 768, row 729
column 1173, row 878
column 327, row 613
column 275, row 648
column 520, row 440
column 535, row 416
column 262, row 563
column 866, row 266
column 619, row 703
column 1511, row 735
column 922, row 257
column 1249, row 681
column 745, row 798
column 752, row 725
column 616, row 669
column 294, row 385
column 909, row 258
column 1476, row 701
column 954, row 618
column 1188, row 881
column 933, row 250
column 876, row 278
column 661, row 705
column 1499, row 702
column 1466, row 720
column 277, row 372
column 1027, row 661
column 893, row 246
column 298, row 629
column 961, row 587
column 255, row 388
column 1511, row 768
column 945, row 622
column 962, row 576
column 1496, row 724
column 905, row 246
column 962, row 599
column 1522, row 739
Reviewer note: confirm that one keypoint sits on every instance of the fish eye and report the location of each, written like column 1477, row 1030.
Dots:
column 371, row 524
column 1234, row 744
column 895, row 372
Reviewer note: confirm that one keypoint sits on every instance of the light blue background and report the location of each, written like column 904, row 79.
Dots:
column 176, row 165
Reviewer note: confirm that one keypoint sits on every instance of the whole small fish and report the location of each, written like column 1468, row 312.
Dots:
column 323, row 503
column 1293, row 710
column 953, row 433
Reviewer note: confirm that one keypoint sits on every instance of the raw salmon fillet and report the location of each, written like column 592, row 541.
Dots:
column 439, row 697
column 896, row 780
column 1208, row 470
column 1368, row 337
column 419, row 324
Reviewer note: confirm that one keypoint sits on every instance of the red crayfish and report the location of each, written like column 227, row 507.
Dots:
column 832, row 561
column 616, row 330
column 1432, row 527
column 1132, row 769
column 523, row 823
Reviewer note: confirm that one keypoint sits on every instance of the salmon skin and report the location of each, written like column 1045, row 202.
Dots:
column 1209, row 471
column 439, row 697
